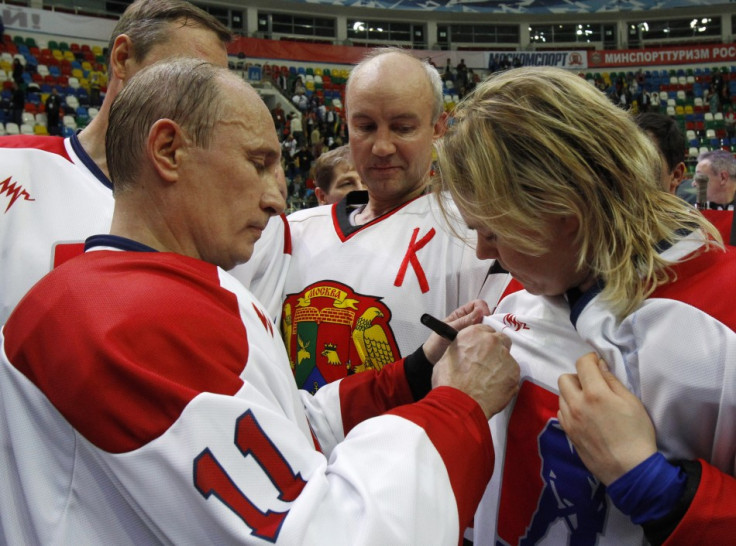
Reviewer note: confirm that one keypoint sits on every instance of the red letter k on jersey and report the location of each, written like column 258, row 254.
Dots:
column 411, row 258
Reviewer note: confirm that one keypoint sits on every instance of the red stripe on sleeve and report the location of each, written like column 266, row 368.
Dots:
column 459, row 431
column 711, row 518
column 372, row 393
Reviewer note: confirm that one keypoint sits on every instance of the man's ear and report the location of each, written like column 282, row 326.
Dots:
column 121, row 54
column 677, row 175
column 320, row 195
column 440, row 126
column 166, row 147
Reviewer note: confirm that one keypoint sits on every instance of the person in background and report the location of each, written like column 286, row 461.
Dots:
column 195, row 431
column 671, row 143
column 17, row 103
column 335, row 176
column 719, row 168
column 53, row 111
column 17, row 71
column 564, row 192
column 363, row 271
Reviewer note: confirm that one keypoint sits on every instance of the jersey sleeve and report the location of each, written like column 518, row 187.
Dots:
column 710, row 517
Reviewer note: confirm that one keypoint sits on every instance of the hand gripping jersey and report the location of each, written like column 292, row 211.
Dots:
column 53, row 196
column 677, row 352
column 146, row 398
column 355, row 294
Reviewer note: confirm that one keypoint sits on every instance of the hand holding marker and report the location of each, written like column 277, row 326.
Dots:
column 439, row 327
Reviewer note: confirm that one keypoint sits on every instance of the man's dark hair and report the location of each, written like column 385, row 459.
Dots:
column 667, row 134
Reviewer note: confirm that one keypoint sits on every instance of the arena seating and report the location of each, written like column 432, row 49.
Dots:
column 70, row 67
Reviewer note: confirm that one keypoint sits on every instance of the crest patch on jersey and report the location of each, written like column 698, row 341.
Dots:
column 331, row 331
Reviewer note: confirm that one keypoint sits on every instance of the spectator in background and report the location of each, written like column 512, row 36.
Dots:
column 720, row 168
column 462, row 73
column 295, row 128
column 282, row 80
column 304, row 160
column 335, row 176
column 729, row 118
column 2, row 30
column 279, row 120
column 448, row 76
column 315, row 140
column 671, row 143
column 52, row 108
column 17, row 103
column 17, row 71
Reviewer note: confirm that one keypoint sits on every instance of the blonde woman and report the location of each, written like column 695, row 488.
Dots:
column 562, row 190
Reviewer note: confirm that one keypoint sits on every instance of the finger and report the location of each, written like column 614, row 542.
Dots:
column 473, row 317
column 613, row 382
column 569, row 385
column 589, row 371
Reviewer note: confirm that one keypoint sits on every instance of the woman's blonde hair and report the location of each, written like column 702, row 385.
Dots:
column 532, row 144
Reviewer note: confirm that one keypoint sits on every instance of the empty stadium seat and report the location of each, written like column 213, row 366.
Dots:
column 12, row 128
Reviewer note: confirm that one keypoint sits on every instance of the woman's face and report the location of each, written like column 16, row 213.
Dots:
column 549, row 274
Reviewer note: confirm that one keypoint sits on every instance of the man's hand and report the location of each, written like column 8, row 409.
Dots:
column 607, row 424
column 479, row 364
column 462, row 317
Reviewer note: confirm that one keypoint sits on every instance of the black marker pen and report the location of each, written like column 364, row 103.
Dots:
column 439, row 327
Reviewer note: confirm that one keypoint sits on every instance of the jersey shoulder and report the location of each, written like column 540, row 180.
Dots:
column 51, row 144
column 151, row 332
column 705, row 282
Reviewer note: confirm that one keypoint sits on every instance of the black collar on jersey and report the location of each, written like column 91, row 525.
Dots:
column 114, row 241
column 718, row 206
column 87, row 160
column 346, row 206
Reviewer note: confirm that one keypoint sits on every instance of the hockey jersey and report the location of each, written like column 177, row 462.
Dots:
column 677, row 352
column 53, row 196
column 355, row 294
column 146, row 397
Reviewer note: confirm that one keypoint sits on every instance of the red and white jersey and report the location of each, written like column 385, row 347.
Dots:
column 145, row 397
column 677, row 352
column 354, row 295
column 53, row 196
column 723, row 221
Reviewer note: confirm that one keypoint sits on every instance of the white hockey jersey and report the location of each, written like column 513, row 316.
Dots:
column 355, row 294
column 146, row 398
column 677, row 352
column 53, row 196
